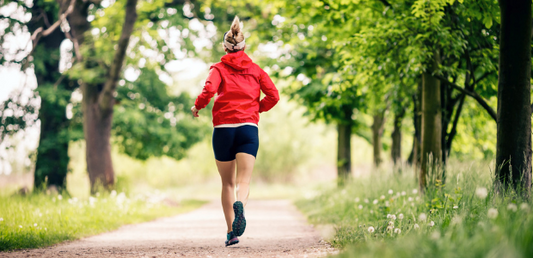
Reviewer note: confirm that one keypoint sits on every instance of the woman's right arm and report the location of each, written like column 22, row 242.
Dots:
column 210, row 89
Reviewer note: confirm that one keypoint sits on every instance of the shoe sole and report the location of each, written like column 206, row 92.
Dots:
column 239, row 224
column 232, row 242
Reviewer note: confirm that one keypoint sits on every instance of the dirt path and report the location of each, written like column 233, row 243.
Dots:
column 274, row 229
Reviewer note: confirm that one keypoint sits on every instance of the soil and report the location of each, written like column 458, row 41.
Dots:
column 274, row 229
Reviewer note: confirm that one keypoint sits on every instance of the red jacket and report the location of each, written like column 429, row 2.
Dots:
column 238, row 82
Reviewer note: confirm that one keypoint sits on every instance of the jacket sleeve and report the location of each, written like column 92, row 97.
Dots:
column 270, row 91
column 211, row 87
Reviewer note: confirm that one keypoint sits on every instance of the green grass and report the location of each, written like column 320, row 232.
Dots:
column 41, row 220
column 465, row 221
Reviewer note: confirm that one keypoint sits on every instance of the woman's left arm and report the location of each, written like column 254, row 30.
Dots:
column 270, row 91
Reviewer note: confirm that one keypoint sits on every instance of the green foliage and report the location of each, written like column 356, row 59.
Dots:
column 150, row 122
column 41, row 220
column 461, row 218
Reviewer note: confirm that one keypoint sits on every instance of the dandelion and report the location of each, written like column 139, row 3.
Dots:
column 390, row 191
column 382, row 197
column 375, row 201
column 59, row 197
column 35, row 224
column 524, row 206
column 492, row 213
column 455, row 207
column 397, row 231
column 416, row 226
column 20, row 226
column 360, row 206
column 512, row 207
column 45, row 229
column 393, row 217
column 113, row 194
column 482, row 192
column 431, row 224
column 371, row 229
column 415, row 191
column 357, row 199
column 1, row 219
column 400, row 216
column 390, row 228
column 387, row 203
column 403, row 193
column 388, row 216
column 366, row 200
column 410, row 199
column 422, row 217
column 391, row 223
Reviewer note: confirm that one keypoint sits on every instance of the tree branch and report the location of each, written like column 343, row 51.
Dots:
column 472, row 94
column 40, row 32
column 106, row 98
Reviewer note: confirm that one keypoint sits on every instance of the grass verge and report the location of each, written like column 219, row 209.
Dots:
column 385, row 216
column 41, row 220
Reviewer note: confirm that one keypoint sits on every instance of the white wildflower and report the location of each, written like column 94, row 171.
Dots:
column 416, row 226
column 417, row 198
column 382, row 197
column 410, row 199
column 366, row 200
column 113, row 194
column 397, row 231
column 422, row 217
column 371, row 212
column 360, row 206
column 388, row 216
column 431, row 224
column 59, row 197
column 1, row 219
column 413, row 204
column 435, row 235
column 393, row 217
column 524, row 206
column 375, row 201
column 20, row 226
column 92, row 201
column 400, row 216
column 35, row 224
column 455, row 207
column 415, row 191
column 390, row 228
column 390, row 191
column 371, row 229
column 482, row 192
column 391, row 223
column 357, row 199
column 512, row 207
column 45, row 229
column 492, row 213
column 387, row 203
column 404, row 193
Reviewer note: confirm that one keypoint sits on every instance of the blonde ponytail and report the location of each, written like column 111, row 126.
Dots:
column 234, row 38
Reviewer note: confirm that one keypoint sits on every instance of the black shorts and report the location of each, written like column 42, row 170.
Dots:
column 227, row 142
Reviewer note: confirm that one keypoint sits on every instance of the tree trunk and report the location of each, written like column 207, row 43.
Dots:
column 52, row 154
column 513, row 146
column 377, row 132
column 97, row 130
column 431, row 123
column 98, row 99
column 396, row 150
column 344, row 153
column 414, row 156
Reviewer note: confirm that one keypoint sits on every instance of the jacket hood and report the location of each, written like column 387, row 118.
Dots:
column 237, row 60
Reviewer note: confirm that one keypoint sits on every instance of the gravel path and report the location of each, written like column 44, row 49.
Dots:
column 274, row 229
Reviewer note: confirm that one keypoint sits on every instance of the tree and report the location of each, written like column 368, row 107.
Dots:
column 513, row 149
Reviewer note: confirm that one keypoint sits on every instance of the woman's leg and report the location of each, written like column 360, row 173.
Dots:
column 226, row 169
column 245, row 166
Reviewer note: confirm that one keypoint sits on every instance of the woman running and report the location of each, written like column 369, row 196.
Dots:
column 238, row 82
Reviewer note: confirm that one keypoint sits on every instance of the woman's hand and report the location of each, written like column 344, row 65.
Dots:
column 194, row 111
